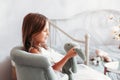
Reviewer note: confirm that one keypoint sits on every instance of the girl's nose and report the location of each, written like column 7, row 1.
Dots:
column 48, row 32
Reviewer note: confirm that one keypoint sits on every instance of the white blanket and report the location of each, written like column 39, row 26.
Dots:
column 87, row 73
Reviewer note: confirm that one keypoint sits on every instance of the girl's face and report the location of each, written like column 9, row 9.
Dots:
column 42, row 36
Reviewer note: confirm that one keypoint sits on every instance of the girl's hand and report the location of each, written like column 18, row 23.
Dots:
column 71, row 53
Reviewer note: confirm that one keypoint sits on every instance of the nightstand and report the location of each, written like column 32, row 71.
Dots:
column 112, row 67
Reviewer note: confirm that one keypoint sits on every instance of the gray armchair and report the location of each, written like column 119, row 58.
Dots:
column 31, row 67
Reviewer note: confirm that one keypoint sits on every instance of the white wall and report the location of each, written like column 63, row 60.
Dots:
column 13, row 11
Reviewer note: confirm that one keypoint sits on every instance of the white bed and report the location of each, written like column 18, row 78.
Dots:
column 94, row 23
column 86, row 73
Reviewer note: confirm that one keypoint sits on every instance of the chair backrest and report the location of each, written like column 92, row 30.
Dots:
column 31, row 66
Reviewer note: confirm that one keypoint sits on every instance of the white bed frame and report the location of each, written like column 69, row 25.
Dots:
column 86, row 41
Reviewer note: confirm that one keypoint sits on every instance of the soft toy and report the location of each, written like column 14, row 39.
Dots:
column 68, row 46
column 103, row 55
column 71, row 64
column 96, row 60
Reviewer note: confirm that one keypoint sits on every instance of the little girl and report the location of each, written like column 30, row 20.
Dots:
column 35, row 31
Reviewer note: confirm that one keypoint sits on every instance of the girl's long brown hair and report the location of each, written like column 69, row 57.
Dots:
column 32, row 24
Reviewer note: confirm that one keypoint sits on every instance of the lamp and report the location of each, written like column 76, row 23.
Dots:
column 116, row 29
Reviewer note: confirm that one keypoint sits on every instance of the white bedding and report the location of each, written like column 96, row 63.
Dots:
column 113, row 52
column 86, row 73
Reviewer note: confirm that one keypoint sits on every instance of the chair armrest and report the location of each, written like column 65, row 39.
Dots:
column 22, row 57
